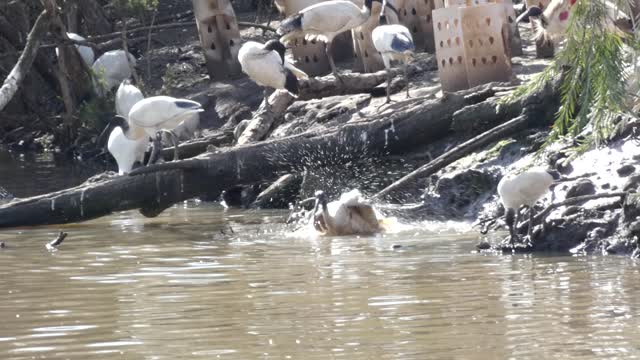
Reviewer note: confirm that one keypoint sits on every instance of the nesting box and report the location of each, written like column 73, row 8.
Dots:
column 220, row 37
column 543, row 49
column 416, row 15
column 510, row 26
column 470, row 46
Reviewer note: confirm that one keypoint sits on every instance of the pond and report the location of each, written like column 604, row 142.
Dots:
column 201, row 282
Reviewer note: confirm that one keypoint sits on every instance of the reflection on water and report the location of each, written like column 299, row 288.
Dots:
column 198, row 283
column 33, row 174
column 201, row 283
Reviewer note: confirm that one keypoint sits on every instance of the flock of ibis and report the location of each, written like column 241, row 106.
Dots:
column 140, row 119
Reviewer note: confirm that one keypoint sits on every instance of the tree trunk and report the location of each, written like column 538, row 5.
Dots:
column 13, row 81
column 95, row 20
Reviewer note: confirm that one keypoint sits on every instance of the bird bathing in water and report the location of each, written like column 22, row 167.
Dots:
column 158, row 114
column 352, row 214
column 266, row 65
column 324, row 21
column 393, row 42
column 524, row 189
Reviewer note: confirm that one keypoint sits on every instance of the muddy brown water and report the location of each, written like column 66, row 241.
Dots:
column 199, row 282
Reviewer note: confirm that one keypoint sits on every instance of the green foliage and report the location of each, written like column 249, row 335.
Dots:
column 96, row 113
column 593, row 60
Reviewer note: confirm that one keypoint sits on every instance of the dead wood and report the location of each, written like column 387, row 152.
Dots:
column 458, row 152
column 536, row 110
column 321, row 87
column 19, row 71
column 96, row 21
column 571, row 201
column 406, row 126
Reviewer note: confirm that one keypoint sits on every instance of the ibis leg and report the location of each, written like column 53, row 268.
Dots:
column 267, row 106
column 388, row 85
column 156, row 146
column 406, row 76
column 334, row 70
column 175, row 142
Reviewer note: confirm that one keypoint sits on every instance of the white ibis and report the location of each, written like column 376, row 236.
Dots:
column 524, row 189
column 266, row 65
column 159, row 114
column 127, row 144
column 324, row 21
column 127, row 96
column 553, row 21
column 111, row 69
column 86, row 52
column 394, row 42
column 352, row 214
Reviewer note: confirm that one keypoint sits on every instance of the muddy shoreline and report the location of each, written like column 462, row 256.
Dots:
column 464, row 190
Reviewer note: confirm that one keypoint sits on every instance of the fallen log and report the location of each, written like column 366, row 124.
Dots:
column 406, row 126
column 536, row 110
column 321, row 87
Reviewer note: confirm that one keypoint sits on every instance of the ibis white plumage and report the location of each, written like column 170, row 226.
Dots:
column 393, row 42
column 352, row 214
column 127, row 142
column 159, row 114
column 127, row 96
column 111, row 69
column 266, row 65
column 324, row 21
column 524, row 189
column 86, row 53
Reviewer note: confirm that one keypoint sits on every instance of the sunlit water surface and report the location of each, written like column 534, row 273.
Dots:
column 201, row 283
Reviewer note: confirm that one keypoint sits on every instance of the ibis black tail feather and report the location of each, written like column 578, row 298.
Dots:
column 291, row 83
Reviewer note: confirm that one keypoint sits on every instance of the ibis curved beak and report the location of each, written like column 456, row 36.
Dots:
column 531, row 11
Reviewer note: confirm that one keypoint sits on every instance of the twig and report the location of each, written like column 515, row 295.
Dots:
column 457, row 153
column 126, row 54
column 571, row 201
column 153, row 20
column 171, row 26
column 53, row 244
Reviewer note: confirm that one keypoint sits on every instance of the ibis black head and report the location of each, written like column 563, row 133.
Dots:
column 276, row 46
column 115, row 121
column 321, row 197
column 369, row 3
column 554, row 174
column 531, row 11
column 383, row 19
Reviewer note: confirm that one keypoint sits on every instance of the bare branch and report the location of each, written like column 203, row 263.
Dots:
column 12, row 82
